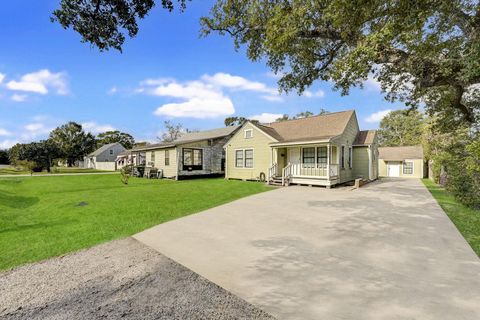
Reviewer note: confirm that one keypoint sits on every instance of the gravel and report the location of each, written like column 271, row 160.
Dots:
column 119, row 279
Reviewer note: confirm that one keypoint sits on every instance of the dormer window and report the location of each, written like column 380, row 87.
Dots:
column 248, row 133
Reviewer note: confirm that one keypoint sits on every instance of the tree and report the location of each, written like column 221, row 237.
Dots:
column 419, row 51
column 72, row 142
column 234, row 121
column 40, row 153
column 285, row 117
column 107, row 137
column 105, row 23
column 4, row 157
column 173, row 132
column 401, row 128
column 303, row 114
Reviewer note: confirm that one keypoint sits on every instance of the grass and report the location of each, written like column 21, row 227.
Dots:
column 15, row 171
column 44, row 217
column 467, row 220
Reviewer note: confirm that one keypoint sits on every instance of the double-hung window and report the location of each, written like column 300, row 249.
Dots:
column 244, row 158
column 167, row 157
column 239, row 158
column 192, row 159
column 408, row 167
column 322, row 156
column 152, row 157
column 350, row 157
column 308, row 157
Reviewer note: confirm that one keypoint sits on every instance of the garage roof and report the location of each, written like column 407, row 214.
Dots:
column 400, row 153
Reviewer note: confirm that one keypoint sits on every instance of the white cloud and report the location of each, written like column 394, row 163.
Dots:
column 266, row 117
column 96, row 128
column 316, row 94
column 197, row 108
column 19, row 97
column 33, row 130
column 4, row 132
column 41, row 82
column 2, row 77
column 274, row 75
column 113, row 90
column 7, row 144
column 377, row 116
column 206, row 97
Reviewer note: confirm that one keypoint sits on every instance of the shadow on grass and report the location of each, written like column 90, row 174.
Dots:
column 11, row 200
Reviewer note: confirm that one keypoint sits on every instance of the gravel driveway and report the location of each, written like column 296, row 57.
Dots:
column 120, row 279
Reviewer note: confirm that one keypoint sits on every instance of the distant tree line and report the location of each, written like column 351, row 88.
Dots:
column 235, row 121
column 68, row 143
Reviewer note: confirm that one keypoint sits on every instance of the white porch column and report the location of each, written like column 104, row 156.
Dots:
column 328, row 161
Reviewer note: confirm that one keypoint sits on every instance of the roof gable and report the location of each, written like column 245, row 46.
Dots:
column 319, row 127
column 365, row 137
column 104, row 148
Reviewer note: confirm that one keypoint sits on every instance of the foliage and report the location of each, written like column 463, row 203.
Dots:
column 40, row 217
column 419, row 51
column 401, row 128
column 234, row 121
column 27, row 165
column 104, row 23
column 41, row 153
column 125, row 139
column 465, row 219
column 125, row 173
column 72, row 142
column 173, row 132
column 303, row 114
column 4, row 157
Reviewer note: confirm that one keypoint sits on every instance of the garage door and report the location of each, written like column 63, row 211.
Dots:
column 393, row 169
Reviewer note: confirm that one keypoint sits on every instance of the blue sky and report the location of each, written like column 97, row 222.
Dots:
column 167, row 72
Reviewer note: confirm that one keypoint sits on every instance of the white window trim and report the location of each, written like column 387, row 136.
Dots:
column 413, row 167
column 342, row 157
column 244, row 158
column 245, row 133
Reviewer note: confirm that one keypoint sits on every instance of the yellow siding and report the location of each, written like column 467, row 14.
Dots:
column 347, row 139
column 417, row 169
column 169, row 171
column 361, row 162
column 262, row 154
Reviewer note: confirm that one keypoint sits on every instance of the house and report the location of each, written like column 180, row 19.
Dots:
column 130, row 157
column 193, row 154
column 402, row 162
column 321, row 150
column 104, row 158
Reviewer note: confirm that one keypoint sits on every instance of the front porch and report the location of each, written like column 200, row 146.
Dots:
column 309, row 164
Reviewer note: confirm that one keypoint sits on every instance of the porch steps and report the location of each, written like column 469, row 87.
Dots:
column 275, row 181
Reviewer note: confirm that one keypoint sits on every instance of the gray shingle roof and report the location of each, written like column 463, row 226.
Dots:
column 102, row 149
column 400, row 153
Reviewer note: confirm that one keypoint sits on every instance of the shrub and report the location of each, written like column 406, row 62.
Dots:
column 125, row 173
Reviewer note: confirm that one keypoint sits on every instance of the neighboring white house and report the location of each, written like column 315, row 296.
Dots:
column 104, row 158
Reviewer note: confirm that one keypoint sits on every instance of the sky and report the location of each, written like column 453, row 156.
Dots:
column 168, row 72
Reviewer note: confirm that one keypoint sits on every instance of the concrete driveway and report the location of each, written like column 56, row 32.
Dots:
column 386, row 251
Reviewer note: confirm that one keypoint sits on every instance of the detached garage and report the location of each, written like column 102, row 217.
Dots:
column 401, row 162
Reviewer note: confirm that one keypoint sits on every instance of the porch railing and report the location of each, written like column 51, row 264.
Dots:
column 272, row 171
column 286, row 173
column 311, row 170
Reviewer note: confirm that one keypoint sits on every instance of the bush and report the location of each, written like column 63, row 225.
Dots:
column 464, row 185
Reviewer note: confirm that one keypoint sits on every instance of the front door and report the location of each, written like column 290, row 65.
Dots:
column 393, row 169
column 294, row 155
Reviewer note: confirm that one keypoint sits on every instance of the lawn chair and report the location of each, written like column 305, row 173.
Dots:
column 150, row 173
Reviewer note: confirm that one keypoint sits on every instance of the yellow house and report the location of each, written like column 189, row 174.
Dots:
column 407, row 162
column 321, row 150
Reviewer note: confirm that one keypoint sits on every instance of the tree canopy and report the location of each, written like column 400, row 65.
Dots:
column 105, row 23
column 123, row 138
column 420, row 51
column 401, row 128
column 73, row 143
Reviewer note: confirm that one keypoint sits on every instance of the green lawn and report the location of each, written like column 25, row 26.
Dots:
column 12, row 170
column 41, row 217
column 467, row 220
